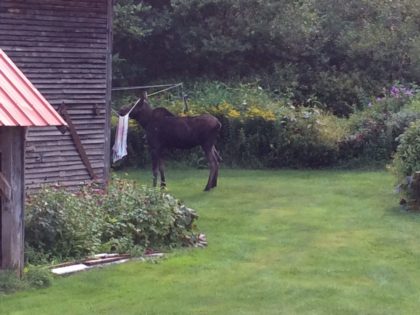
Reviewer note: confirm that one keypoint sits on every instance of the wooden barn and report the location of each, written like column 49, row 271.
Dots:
column 21, row 106
column 64, row 48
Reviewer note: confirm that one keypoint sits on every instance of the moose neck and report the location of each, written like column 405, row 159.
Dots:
column 144, row 115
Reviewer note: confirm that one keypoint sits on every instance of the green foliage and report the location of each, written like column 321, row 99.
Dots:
column 406, row 164
column 38, row 277
column 407, row 158
column 144, row 217
column 294, row 137
column 373, row 135
column 325, row 52
column 62, row 225
column 261, row 129
column 34, row 277
column 10, row 282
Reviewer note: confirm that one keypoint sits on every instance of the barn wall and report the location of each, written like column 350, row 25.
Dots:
column 63, row 47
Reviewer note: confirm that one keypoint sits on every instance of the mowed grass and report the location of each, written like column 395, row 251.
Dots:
column 280, row 242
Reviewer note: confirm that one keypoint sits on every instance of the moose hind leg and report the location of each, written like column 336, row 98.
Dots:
column 162, row 173
column 212, row 166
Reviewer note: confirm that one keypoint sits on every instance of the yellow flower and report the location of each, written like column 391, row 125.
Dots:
column 233, row 113
column 228, row 110
column 256, row 112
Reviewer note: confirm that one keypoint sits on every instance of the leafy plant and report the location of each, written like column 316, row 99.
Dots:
column 406, row 163
column 61, row 224
column 9, row 282
column 146, row 217
column 38, row 277
column 124, row 218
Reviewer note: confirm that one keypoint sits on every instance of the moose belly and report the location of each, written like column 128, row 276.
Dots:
column 180, row 143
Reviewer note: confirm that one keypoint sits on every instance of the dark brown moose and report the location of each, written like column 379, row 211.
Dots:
column 165, row 131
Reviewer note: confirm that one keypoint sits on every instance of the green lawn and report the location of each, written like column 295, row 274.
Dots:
column 280, row 242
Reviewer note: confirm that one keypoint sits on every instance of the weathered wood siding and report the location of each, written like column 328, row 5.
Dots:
column 63, row 47
column 12, row 210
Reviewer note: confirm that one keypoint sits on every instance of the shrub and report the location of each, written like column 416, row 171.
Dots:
column 9, row 282
column 144, row 217
column 407, row 162
column 258, row 129
column 62, row 225
column 407, row 157
column 372, row 132
column 125, row 218
column 34, row 277
column 38, row 277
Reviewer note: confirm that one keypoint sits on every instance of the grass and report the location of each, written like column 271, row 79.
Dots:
column 280, row 242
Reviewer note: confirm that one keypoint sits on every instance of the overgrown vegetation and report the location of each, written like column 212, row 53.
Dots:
column 262, row 130
column 334, row 53
column 34, row 277
column 61, row 225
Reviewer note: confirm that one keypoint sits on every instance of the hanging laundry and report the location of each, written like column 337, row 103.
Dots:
column 120, row 145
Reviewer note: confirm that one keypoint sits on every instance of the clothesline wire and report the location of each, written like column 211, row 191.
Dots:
column 169, row 87
column 142, row 87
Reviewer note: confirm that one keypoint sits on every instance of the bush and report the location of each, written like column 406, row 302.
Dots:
column 34, row 277
column 63, row 225
column 9, row 282
column 258, row 129
column 38, row 277
column 144, row 217
column 407, row 157
column 372, row 132
column 373, row 135
column 407, row 162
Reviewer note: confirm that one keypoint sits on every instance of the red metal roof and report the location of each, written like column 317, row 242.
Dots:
column 21, row 104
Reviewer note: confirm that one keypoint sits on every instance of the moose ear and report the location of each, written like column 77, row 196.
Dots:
column 144, row 95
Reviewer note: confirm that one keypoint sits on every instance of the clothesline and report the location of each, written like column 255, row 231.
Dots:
column 168, row 87
column 142, row 87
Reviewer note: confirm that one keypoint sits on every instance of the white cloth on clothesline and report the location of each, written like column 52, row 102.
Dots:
column 120, row 145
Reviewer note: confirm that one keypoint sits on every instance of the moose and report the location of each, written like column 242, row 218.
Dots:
column 166, row 131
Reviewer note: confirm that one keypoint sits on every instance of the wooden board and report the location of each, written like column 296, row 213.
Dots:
column 5, row 188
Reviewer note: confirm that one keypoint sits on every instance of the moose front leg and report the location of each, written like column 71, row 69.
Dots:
column 217, row 159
